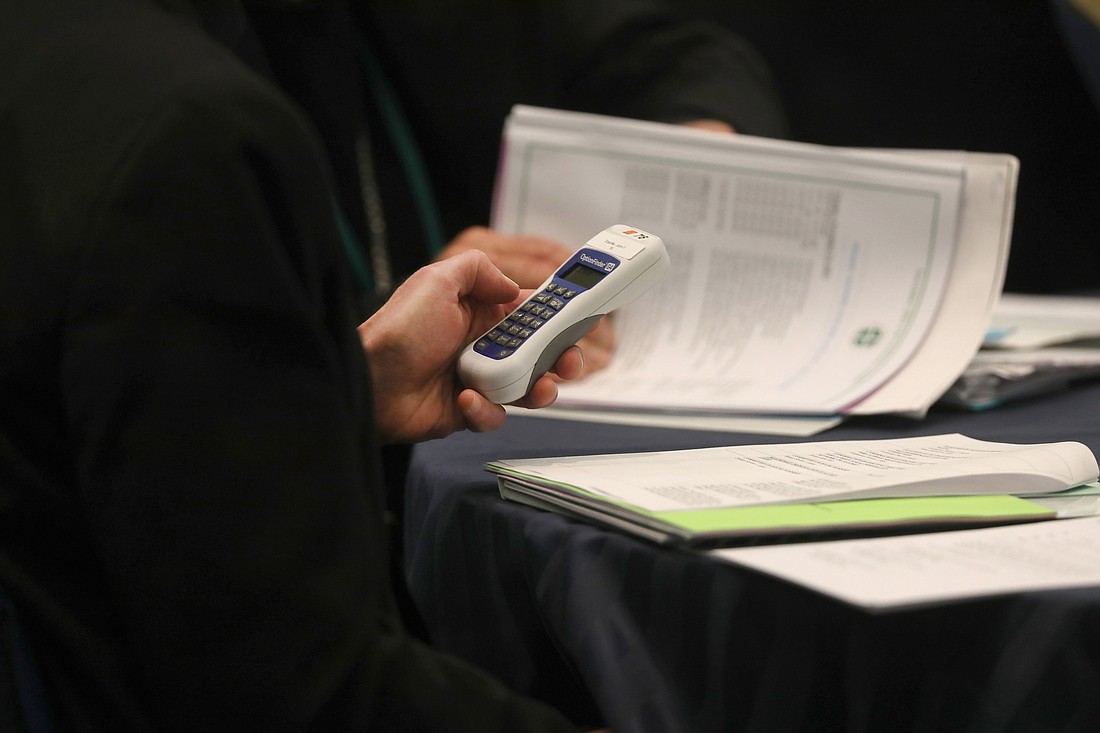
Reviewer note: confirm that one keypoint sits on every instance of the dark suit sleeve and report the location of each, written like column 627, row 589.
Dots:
column 643, row 59
column 458, row 68
column 228, row 476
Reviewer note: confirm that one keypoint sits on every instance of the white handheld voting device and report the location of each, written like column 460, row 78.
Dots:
column 609, row 271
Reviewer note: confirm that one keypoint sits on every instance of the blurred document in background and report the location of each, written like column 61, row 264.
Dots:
column 807, row 280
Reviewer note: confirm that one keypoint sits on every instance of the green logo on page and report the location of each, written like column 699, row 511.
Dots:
column 868, row 336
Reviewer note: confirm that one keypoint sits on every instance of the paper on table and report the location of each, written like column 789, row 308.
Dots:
column 996, row 376
column 780, row 251
column 1081, row 501
column 941, row 465
column 914, row 570
column 1033, row 321
column 775, row 424
column 726, row 526
column 1034, row 344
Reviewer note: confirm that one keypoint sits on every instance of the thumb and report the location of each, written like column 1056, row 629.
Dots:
column 485, row 282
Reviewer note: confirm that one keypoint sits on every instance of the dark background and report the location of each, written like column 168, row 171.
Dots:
column 981, row 75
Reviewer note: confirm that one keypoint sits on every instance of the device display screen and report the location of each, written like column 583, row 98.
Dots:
column 582, row 275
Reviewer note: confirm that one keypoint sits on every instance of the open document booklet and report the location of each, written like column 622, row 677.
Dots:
column 754, row 493
column 806, row 280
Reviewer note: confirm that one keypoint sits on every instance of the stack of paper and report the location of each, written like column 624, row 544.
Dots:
column 730, row 497
column 1035, row 344
column 807, row 280
column 749, row 493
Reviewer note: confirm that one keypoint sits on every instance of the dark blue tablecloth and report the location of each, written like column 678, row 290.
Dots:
column 658, row 640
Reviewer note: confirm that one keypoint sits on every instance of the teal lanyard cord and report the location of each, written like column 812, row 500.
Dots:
column 405, row 144
column 359, row 269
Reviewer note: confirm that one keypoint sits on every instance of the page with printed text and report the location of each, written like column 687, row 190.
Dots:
column 806, row 279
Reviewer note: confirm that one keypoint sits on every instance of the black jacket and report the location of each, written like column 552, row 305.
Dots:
column 189, row 510
column 456, row 67
column 191, row 521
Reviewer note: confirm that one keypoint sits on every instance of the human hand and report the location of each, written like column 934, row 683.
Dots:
column 598, row 345
column 528, row 261
column 414, row 340
column 714, row 125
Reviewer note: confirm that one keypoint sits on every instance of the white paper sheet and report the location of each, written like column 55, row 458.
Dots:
column 973, row 291
column 794, row 425
column 777, row 299
column 729, row 476
column 806, row 279
column 1032, row 321
column 914, row 570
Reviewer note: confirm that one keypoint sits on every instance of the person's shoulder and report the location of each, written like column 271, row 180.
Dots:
column 115, row 59
column 86, row 83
